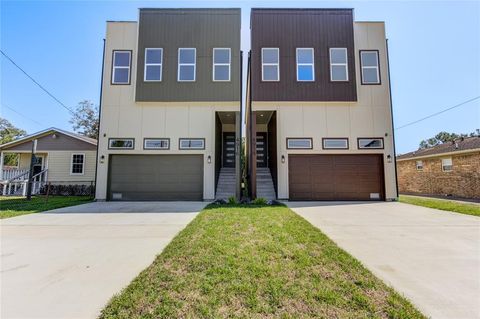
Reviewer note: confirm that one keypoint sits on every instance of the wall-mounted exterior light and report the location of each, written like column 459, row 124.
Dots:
column 283, row 159
column 389, row 158
column 209, row 159
column 102, row 159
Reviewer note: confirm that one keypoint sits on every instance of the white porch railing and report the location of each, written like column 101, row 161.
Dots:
column 11, row 174
column 18, row 184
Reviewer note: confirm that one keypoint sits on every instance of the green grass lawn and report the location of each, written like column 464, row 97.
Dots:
column 256, row 262
column 452, row 206
column 16, row 206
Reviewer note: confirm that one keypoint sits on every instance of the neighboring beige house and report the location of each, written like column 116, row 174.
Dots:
column 61, row 157
column 451, row 169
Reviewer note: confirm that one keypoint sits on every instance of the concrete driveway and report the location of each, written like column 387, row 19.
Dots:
column 68, row 263
column 430, row 256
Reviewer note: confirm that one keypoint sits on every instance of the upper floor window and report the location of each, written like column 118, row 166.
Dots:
column 221, row 64
column 364, row 143
column 338, row 64
column 270, row 64
column 370, row 67
column 305, row 65
column 192, row 144
column 187, row 58
column 78, row 164
column 121, row 66
column 447, row 164
column 156, row 143
column 153, row 64
column 121, row 143
column 299, row 143
column 335, row 143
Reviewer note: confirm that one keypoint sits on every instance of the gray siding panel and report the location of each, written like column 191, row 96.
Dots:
column 203, row 29
column 62, row 142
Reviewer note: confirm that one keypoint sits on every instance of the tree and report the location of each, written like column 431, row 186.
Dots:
column 8, row 133
column 85, row 121
column 444, row 137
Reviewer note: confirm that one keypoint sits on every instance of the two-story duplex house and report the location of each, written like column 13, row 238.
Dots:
column 170, row 106
column 319, row 119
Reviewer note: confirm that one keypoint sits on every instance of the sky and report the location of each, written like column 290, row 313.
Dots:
column 434, row 57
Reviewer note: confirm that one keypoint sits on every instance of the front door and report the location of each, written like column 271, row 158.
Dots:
column 229, row 149
column 261, row 149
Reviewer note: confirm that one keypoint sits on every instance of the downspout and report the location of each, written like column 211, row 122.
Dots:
column 391, row 112
column 240, row 149
column 99, row 116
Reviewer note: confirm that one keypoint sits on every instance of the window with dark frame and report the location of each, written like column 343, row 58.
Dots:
column 369, row 63
column 192, row 144
column 156, row 143
column 335, row 143
column 78, row 162
column 447, row 164
column 370, row 143
column 299, row 143
column 153, row 64
column 121, row 66
column 121, row 143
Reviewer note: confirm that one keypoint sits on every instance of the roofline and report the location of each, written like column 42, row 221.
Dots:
column 300, row 9
column 44, row 132
column 121, row 21
column 472, row 150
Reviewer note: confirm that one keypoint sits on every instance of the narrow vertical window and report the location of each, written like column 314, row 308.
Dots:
column 370, row 67
column 153, row 64
column 221, row 64
column 121, row 67
column 187, row 58
column 305, row 65
column 338, row 64
column 270, row 64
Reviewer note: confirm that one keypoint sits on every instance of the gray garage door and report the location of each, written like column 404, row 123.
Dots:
column 155, row 177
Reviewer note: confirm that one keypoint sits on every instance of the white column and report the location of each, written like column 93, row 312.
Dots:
column 1, row 166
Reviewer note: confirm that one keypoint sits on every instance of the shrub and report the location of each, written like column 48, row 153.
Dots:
column 259, row 201
column 232, row 200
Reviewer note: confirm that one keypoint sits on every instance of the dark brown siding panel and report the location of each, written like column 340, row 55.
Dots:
column 288, row 29
column 203, row 29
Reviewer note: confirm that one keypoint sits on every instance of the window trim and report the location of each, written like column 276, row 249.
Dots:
column 370, row 67
column 83, row 164
column 306, row 64
column 112, row 82
column 187, row 64
column 417, row 166
column 335, row 138
column 229, row 64
column 451, row 165
column 275, row 64
column 191, row 138
column 153, row 64
column 370, row 148
column 341, row 64
column 299, row 138
column 121, row 148
column 156, row 138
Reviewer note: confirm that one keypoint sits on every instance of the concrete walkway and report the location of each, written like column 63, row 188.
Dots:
column 430, row 256
column 68, row 263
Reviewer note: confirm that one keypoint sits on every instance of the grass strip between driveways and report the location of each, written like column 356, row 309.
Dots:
column 443, row 204
column 16, row 206
column 255, row 262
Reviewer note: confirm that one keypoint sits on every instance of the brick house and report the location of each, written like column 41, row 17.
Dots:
column 448, row 169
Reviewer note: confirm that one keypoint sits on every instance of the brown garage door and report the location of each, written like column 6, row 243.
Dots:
column 155, row 177
column 335, row 177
